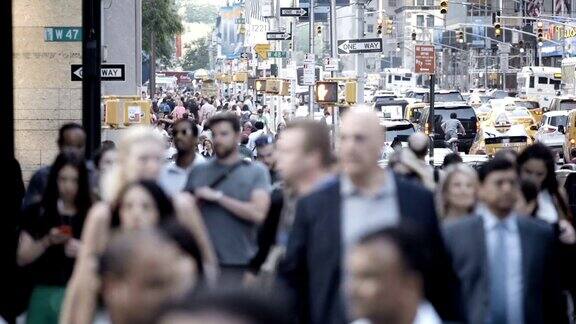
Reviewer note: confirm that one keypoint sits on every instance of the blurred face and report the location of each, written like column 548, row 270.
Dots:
column 361, row 143
column 144, row 161
column 225, row 139
column 291, row 160
column 74, row 141
column 499, row 191
column 208, row 145
column 534, row 170
column 138, row 296
column 265, row 154
column 201, row 317
column 138, row 209
column 377, row 283
column 108, row 160
column 68, row 183
column 461, row 191
column 184, row 140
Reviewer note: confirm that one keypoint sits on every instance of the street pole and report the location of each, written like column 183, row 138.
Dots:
column 431, row 114
column 311, row 51
column 360, row 65
column 503, row 57
column 333, row 55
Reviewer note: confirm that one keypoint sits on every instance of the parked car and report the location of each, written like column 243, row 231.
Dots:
column 464, row 113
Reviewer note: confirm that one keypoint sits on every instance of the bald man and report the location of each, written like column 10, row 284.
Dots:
column 331, row 220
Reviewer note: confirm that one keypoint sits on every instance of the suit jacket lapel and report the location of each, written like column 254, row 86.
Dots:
column 525, row 239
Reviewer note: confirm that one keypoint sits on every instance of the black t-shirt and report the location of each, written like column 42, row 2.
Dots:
column 53, row 267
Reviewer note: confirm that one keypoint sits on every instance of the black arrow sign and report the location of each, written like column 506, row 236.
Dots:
column 245, row 55
column 108, row 72
column 278, row 36
column 357, row 46
column 294, row 12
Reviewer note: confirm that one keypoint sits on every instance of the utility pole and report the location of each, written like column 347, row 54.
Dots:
column 333, row 55
column 311, row 51
column 360, row 64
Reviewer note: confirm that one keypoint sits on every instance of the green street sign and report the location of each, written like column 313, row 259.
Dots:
column 62, row 34
column 277, row 54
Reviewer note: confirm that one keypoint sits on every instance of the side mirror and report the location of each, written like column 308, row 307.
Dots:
column 561, row 129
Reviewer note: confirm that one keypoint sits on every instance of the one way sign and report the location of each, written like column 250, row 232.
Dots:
column 278, row 36
column 358, row 46
column 293, row 12
column 108, row 72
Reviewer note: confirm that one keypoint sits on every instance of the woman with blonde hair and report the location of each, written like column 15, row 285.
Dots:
column 140, row 157
column 457, row 192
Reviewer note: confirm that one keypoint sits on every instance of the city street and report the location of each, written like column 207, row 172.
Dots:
column 279, row 162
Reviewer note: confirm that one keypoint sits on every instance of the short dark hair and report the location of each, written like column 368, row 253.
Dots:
column 190, row 123
column 451, row 158
column 529, row 190
column 409, row 241
column 259, row 125
column 227, row 117
column 263, row 141
column 453, row 115
column 65, row 128
column 496, row 164
column 316, row 139
column 104, row 148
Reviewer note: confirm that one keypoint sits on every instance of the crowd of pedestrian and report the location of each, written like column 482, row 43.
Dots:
column 215, row 214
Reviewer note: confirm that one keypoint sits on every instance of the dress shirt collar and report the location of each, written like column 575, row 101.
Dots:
column 491, row 221
column 348, row 189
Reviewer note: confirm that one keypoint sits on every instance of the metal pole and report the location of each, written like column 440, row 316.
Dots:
column 503, row 72
column 311, row 51
column 333, row 55
column 91, row 87
column 360, row 64
column 431, row 118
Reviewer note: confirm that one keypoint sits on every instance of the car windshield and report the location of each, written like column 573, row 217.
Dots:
column 567, row 105
column 558, row 120
column 519, row 113
column 448, row 97
column 396, row 130
column 527, row 104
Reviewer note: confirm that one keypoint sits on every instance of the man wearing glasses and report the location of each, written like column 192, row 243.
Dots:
column 174, row 174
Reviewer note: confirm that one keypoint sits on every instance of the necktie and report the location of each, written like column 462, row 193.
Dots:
column 498, row 308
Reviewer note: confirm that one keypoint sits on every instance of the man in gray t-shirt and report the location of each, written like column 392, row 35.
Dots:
column 452, row 127
column 233, row 195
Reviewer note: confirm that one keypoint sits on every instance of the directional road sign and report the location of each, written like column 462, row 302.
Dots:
column 357, row 46
column 278, row 36
column 108, row 72
column 294, row 12
column 277, row 54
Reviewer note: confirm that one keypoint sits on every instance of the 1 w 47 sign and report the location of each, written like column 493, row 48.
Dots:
column 63, row 34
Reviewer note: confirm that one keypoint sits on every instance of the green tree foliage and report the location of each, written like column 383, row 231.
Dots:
column 201, row 13
column 161, row 18
column 197, row 55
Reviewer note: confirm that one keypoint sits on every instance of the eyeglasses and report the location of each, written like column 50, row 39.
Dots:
column 185, row 132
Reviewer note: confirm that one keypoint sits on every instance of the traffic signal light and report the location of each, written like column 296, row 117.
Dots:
column 389, row 26
column 443, row 7
column 379, row 28
column 460, row 37
column 521, row 46
column 413, row 36
column 540, row 31
column 497, row 25
column 326, row 92
column 397, row 47
column 318, row 30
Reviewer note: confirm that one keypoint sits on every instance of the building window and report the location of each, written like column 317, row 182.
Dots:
column 419, row 2
column 420, row 20
column 430, row 21
column 392, row 3
column 370, row 28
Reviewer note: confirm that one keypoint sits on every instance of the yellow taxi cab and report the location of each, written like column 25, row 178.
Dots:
column 569, row 135
column 533, row 107
column 413, row 112
column 502, row 118
column 490, row 140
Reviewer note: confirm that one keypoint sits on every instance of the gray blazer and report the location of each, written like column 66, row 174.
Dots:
column 465, row 241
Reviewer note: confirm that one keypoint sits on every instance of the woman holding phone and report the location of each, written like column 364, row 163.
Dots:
column 50, row 235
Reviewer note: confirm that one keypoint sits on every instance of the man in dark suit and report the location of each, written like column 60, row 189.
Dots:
column 506, row 262
column 332, row 219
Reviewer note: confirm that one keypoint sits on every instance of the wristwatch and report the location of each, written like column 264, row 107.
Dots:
column 219, row 195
